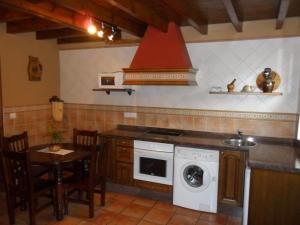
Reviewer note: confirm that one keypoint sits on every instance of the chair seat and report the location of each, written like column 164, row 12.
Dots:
column 41, row 184
column 38, row 171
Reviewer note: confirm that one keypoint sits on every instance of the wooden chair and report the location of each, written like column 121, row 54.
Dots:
column 19, row 143
column 94, row 180
column 21, row 185
column 84, row 138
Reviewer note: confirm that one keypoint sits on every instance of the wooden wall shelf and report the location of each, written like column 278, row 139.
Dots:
column 245, row 93
column 108, row 90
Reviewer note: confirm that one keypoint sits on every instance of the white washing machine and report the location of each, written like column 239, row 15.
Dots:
column 196, row 178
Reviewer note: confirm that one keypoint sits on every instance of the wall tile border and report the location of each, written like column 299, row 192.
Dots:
column 189, row 112
column 26, row 108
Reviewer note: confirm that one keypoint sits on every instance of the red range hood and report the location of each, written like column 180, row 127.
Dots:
column 161, row 59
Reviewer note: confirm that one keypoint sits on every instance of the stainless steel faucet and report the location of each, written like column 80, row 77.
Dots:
column 240, row 134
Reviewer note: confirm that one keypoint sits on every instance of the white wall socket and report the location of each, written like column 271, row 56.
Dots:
column 130, row 115
column 12, row 116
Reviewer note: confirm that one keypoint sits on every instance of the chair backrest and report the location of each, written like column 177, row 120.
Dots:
column 84, row 138
column 16, row 143
column 17, row 172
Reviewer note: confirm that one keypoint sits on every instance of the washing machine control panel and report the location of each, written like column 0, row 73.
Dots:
column 197, row 154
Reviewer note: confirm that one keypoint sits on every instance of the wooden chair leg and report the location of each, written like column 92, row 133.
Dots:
column 103, row 191
column 32, row 211
column 54, row 203
column 11, row 209
column 91, row 200
column 66, row 202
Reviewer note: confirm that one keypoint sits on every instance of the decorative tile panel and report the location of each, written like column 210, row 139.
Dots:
column 218, row 63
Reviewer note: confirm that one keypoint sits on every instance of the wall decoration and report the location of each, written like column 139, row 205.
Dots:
column 35, row 69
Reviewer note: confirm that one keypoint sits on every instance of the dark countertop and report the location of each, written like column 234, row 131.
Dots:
column 269, row 153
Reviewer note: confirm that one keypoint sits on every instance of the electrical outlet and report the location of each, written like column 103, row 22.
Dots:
column 12, row 116
column 130, row 115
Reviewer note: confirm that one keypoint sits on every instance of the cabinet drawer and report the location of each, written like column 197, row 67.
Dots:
column 124, row 142
column 124, row 154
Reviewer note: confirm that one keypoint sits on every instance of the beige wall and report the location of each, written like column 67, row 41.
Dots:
column 14, row 51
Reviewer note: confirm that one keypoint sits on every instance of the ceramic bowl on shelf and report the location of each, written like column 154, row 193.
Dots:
column 248, row 88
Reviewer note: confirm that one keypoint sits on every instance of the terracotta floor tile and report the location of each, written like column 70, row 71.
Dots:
column 158, row 216
column 69, row 221
column 203, row 222
column 144, row 222
column 187, row 212
column 123, row 210
column 216, row 218
column 124, row 220
column 125, row 198
column 110, row 194
column 182, row 220
column 103, row 218
column 135, row 210
column 116, row 206
column 165, row 206
column 144, row 202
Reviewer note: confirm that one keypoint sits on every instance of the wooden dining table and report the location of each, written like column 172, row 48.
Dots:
column 56, row 163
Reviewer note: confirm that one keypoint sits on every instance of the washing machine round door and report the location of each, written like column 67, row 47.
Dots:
column 195, row 177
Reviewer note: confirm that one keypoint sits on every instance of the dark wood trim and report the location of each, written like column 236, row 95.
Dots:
column 93, row 9
column 1, row 111
column 1, row 131
column 140, row 11
column 30, row 25
column 232, row 13
column 185, row 9
column 282, row 12
column 70, row 40
column 58, row 33
column 49, row 11
column 7, row 15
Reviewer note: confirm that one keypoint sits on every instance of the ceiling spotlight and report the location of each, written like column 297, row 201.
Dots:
column 101, row 32
column 112, row 35
column 92, row 29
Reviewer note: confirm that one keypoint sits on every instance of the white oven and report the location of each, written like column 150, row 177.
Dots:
column 153, row 162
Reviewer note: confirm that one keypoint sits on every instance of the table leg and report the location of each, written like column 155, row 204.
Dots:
column 59, row 192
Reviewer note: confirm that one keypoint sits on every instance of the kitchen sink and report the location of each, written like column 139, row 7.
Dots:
column 237, row 142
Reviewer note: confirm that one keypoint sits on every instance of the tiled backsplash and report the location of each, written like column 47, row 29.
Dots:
column 102, row 118
column 36, row 120
column 33, row 119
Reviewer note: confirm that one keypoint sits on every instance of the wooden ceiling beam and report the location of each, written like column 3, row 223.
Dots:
column 238, row 25
column 89, row 38
column 10, row 15
column 30, row 25
column 49, row 11
column 282, row 12
column 138, row 10
column 91, row 8
column 193, row 15
column 58, row 33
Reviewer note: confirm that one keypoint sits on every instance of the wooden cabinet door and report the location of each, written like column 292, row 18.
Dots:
column 231, row 177
column 124, row 154
column 274, row 198
column 124, row 173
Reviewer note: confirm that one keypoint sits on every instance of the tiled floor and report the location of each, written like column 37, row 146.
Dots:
column 123, row 209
